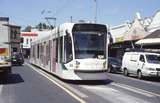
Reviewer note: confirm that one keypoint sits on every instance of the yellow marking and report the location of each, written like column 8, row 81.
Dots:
column 65, row 89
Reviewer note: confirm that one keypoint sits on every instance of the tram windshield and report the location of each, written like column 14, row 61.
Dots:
column 90, row 45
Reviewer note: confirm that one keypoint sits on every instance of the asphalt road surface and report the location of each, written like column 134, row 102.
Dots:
column 27, row 86
column 30, row 84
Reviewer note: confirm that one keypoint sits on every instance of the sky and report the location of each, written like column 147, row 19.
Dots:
column 111, row 12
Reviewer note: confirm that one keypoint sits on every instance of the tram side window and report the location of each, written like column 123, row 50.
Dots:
column 59, row 49
column 42, row 51
column 33, row 51
column 47, row 53
column 49, row 49
column 68, row 48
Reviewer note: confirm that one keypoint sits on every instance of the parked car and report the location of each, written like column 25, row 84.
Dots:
column 17, row 58
column 141, row 64
column 114, row 65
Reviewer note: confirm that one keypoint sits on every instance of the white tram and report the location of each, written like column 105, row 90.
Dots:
column 73, row 51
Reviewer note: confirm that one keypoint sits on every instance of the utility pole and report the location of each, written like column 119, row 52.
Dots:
column 51, row 18
column 71, row 19
column 95, row 11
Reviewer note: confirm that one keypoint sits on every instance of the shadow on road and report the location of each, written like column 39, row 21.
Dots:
column 18, row 65
column 11, row 79
column 89, row 82
column 153, row 79
column 80, row 82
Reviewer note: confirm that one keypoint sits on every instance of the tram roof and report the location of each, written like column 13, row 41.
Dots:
column 50, row 34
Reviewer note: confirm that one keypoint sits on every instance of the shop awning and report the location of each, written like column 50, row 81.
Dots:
column 152, row 39
column 148, row 41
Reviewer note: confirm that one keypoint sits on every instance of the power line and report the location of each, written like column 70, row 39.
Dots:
column 51, row 18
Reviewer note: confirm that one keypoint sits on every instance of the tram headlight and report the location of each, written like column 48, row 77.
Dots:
column 77, row 64
column 104, row 65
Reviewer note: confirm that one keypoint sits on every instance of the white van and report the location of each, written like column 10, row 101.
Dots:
column 141, row 64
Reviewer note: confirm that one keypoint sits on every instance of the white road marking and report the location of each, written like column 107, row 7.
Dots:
column 76, row 91
column 79, row 93
column 113, row 95
column 62, row 87
column 1, row 86
column 135, row 79
column 100, row 88
column 1, row 98
column 136, row 90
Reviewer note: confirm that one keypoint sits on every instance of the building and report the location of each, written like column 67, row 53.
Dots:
column 141, row 33
column 125, row 35
column 152, row 40
column 15, row 39
column 28, row 37
column 155, row 23
column 4, row 30
column 11, row 30
column 117, row 33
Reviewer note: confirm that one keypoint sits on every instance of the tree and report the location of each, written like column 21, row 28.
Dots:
column 41, row 26
column 27, row 29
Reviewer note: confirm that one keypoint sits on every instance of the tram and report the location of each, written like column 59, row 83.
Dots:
column 73, row 51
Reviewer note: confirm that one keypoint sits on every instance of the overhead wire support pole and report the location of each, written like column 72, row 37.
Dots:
column 71, row 19
column 51, row 18
column 95, row 11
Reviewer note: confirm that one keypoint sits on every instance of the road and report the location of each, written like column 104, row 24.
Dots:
column 121, row 89
column 29, row 84
column 148, row 84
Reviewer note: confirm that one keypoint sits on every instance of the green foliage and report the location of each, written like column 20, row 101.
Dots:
column 27, row 29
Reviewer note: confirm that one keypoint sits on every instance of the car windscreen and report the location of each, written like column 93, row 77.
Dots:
column 114, row 60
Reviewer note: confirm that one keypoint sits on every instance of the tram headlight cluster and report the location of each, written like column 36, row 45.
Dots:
column 77, row 64
column 104, row 65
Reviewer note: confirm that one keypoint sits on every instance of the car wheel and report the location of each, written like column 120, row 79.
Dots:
column 139, row 75
column 125, row 72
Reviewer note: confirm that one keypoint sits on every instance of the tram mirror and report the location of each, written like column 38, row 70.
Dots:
column 70, row 56
column 67, row 32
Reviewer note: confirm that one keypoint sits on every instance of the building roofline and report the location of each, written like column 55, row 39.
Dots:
column 11, row 25
column 4, row 18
